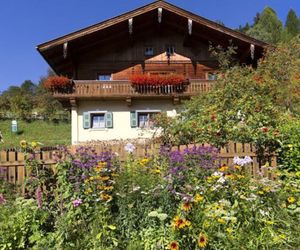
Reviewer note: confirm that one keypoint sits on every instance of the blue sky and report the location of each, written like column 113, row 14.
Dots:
column 25, row 24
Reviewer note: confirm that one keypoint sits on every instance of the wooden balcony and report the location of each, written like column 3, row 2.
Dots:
column 84, row 89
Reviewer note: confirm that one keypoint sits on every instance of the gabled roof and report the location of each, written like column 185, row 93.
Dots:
column 131, row 14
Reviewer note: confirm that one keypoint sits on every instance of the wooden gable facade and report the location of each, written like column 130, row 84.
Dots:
column 157, row 39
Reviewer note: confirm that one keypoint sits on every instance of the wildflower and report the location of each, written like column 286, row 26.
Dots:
column 237, row 167
column 2, row 200
column 144, row 161
column 77, row 202
column 179, row 223
column 209, row 179
column 206, row 224
column 242, row 161
column 291, row 199
column 129, row 147
column 34, row 144
column 260, row 192
column 198, row 198
column 223, row 168
column 105, row 197
column 88, row 191
column 108, row 188
column 174, row 245
column 187, row 206
column 221, row 221
column 229, row 230
column 104, row 178
column 202, row 240
column 156, row 171
column 23, row 144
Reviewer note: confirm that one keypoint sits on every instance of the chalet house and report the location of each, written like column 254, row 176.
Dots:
column 128, row 68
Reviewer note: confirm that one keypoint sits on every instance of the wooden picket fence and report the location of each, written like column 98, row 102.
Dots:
column 12, row 163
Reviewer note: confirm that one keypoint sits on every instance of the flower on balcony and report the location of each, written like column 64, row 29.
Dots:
column 158, row 80
column 57, row 83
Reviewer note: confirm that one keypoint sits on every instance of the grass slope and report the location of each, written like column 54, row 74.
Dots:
column 48, row 133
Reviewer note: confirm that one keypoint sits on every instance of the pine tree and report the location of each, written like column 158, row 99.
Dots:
column 292, row 24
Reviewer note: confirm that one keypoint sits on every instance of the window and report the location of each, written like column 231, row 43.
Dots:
column 97, row 120
column 211, row 76
column 104, row 77
column 143, row 119
column 149, row 51
column 170, row 50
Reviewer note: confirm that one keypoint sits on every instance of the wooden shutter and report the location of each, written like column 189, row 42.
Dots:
column 133, row 119
column 109, row 120
column 86, row 120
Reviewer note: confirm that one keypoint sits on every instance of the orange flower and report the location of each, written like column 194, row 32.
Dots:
column 174, row 245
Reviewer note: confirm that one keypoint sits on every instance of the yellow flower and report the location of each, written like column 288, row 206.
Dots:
column 223, row 168
column 114, row 175
column 206, row 224
column 88, row 191
column 229, row 176
column 108, row 188
column 239, row 176
column 237, row 167
column 144, row 161
column 202, row 240
column 198, row 198
column 156, row 171
column 270, row 222
column 229, row 230
column 179, row 223
column 105, row 197
column 291, row 199
column 209, row 179
column 91, row 178
column 221, row 221
column 23, row 144
column 34, row 144
column 104, row 178
column 266, row 189
column 174, row 245
column 260, row 192
column 102, row 164
column 187, row 206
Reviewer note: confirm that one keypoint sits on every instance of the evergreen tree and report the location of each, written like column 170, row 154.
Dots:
column 292, row 24
column 267, row 28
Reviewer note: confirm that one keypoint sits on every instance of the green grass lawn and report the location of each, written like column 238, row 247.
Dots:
column 48, row 133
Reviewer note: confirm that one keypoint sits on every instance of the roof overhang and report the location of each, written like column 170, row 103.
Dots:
column 53, row 51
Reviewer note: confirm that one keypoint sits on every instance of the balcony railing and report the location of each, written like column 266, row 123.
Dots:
column 87, row 88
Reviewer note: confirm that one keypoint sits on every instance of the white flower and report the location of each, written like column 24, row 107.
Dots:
column 242, row 161
column 129, row 147
column 222, row 180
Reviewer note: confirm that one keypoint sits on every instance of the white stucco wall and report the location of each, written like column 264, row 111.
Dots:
column 121, row 119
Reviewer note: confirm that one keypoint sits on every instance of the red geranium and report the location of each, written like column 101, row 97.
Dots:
column 157, row 80
column 57, row 82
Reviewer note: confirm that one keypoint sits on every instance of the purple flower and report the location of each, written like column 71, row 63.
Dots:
column 2, row 200
column 129, row 147
column 77, row 202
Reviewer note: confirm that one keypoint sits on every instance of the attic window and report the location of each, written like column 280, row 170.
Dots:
column 149, row 51
column 170, row 50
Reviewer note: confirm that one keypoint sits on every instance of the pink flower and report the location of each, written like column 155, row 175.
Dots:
column 77, row 202
column 2, row 200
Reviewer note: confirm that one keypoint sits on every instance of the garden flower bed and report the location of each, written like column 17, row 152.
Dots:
column 172, row 200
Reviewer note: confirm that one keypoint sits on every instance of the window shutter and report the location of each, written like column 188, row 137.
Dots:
column 133, row 119
column 109, row 120
column 86, row 120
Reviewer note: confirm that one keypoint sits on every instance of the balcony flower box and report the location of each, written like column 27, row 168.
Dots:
column 159, row 84
column 59, row 84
